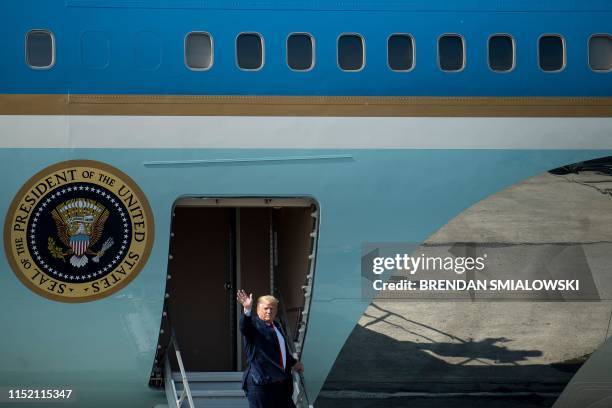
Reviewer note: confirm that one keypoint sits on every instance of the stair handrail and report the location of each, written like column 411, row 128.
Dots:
column 302, row 397
column 170, row 385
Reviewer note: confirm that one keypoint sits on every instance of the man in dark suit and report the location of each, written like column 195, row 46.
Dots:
column 267, row 379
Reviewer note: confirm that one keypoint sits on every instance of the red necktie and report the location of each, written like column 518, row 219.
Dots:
column 278, row 346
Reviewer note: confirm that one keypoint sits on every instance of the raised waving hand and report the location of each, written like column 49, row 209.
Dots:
column 245, row 300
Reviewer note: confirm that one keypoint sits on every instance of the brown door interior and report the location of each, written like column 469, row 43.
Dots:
column 216, row 250
column 199, row 304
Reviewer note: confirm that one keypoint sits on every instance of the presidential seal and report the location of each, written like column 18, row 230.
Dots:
column 78, row 231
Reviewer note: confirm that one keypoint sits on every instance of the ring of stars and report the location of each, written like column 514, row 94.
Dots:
column 83, row 277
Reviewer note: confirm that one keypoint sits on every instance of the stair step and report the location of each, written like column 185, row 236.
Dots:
column 210, row 376
column 220, row 403
column 215, row 393
column 212, row 386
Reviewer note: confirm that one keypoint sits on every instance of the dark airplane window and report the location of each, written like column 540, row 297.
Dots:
column 600, row 52
column 198, row 50
column 450, row 53
column 501, row 53
column 400, row 52
column 40, row 49
column 350, row 52
column 249, row 51
column 551, row 53
column 299, row 52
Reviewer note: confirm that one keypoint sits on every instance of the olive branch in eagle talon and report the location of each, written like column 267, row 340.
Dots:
column 80, row 223
column 56, row 251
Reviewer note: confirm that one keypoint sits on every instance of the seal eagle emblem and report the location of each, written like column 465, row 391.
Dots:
column 80, row 223
column 78, row 231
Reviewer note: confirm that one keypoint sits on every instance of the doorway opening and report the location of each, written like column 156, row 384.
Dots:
column 219, row 245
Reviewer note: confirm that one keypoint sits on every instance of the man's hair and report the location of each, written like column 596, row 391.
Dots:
column 267, row 299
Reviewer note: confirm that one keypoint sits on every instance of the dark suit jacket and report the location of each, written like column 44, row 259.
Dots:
column 261, row 349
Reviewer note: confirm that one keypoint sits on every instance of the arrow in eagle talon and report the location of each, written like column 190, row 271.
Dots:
column 107, row 244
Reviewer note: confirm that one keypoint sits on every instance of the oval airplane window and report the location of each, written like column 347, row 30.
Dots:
column 249, row 51
column 551, row 53
column 198, row 51
column 501, row 53
column 40, row 49
column 400, row 52
column 600, row 52
column 451, row 54
column 351, row 52
column 300, row 55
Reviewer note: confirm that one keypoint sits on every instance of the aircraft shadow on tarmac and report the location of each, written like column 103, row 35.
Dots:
column 372, row 362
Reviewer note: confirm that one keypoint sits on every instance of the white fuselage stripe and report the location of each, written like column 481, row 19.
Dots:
column 32, row 131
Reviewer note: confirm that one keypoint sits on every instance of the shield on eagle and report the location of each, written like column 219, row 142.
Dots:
column 80, row 223
column 79, row 244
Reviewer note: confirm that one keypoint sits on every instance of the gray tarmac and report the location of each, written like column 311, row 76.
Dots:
column 438, row 402
column 521, row 349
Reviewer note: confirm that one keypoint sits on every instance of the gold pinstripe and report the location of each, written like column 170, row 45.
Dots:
column 185, row 105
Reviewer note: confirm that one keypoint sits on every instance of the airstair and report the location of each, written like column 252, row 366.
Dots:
column 208, row 390
column 212, row 389
column 199, row 389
